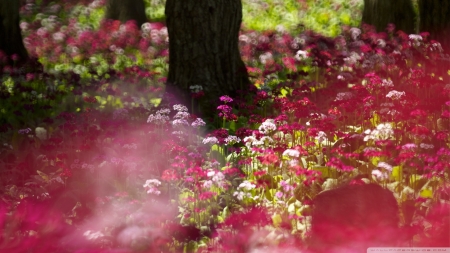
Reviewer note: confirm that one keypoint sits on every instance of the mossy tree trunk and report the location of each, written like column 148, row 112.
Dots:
column 125, row 10
column 11, row 42
column 435, row 19
column 203, row 50
column 380, row 13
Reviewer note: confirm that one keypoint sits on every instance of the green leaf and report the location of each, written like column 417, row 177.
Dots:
column 291, row 208
column 43, row 175
column 426, row 193
column 269, row 194
column 397, row 172
column 225, row 213
column 277, row 220
column 375, row 120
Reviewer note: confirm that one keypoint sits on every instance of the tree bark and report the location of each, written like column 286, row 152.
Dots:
column 435, row 19
column 125, row 10
column 380, row 13
column 203, row 49
column 11, row 42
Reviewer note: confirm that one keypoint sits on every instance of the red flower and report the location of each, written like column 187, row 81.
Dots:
column 169, row 175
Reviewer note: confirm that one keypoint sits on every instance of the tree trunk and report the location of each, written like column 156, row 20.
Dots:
column 435, row 19
column 203, row 49
column 11, row 42
column 380, row 13
column 125, row 10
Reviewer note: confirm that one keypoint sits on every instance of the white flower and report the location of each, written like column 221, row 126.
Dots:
column 267, row 126
column 291, row 153
column 244, row 38
column 198, row 123
column 341, row 96
column 301, row 55
column 41, row 133
column 180, row 122
column 354, row 33
column 58, row 36
column 152, row 182
column 265, row 57
column 163, row 111
column 381, row 43
column 158, row 118
column 210, row 140
column 380, row 175
column 409, row 146
column 219, row 176
column 385, row 166
column 426, row 146
column 239, row 195
column 231, row 139
column 280, row 29
column 246, row 185
column 415, row 37
column 182, row 115
column 353, row 58
column 387, row 83
column 395, row 94
column 384, row 131
column 207, row 184
column 90, row 235
column 180, row 108
column 321, row 136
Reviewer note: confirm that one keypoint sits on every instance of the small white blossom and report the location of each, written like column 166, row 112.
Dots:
column 180, row 108
column 415, row 37
column 210, row 140
column 265, row 57
column 267, row 126
column 409, row 146
column 395, row 94
column 354, row 33
column 90, row 235
column 219, row 176
column 321, row 136
column 387, row 83
column 426, row 146
column 198, row 123
column 385, row 166
column 231, row 139
column 341, row 96
column 380, row 175
column 207, row 184
column 41, row 133
column 383, row 131
column 152, row 182
column 182, row 115
column 246, row 185
column 158, row 119
column 180, row 122
column 301, row 55
column 291, row 153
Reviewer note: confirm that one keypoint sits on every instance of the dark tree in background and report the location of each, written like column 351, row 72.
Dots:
column 125, row 10
column 380, row 13
column 203, row 49
column 11, row 41
column 435, row 19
